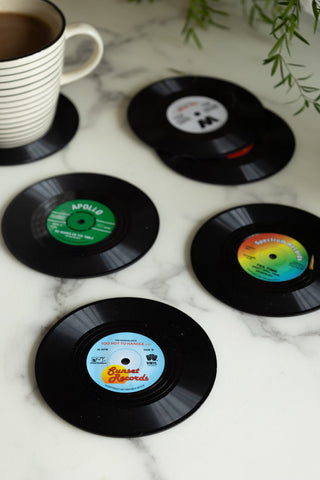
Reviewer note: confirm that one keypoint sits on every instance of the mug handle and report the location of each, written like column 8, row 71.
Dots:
column 95, row 57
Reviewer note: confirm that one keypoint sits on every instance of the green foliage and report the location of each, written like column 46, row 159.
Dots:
column 283, row 20
column 201, row 14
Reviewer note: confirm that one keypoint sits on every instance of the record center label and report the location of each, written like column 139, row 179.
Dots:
column 81, row 222
column 197, row 114
column 273, row 257
column 125, row 362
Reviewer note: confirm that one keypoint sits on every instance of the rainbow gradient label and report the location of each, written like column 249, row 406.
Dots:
column 125, row 362
column 273, row 257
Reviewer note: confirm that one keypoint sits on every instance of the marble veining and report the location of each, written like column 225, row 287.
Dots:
column 151, row 465
column 261, row 419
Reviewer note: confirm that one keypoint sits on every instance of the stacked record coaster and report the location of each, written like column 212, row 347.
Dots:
column 125, row 367
column 62, row 130
column 261, row 258
column 80, row 225
column 211, row 130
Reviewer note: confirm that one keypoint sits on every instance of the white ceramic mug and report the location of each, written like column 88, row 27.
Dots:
column 30, row 85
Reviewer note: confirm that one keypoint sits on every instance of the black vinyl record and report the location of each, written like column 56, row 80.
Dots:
column 261, row 258
column 80, row 225
column 211, row 130
column 125, row 367
column 62, row 130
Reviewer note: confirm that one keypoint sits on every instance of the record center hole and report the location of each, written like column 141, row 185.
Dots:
column 81, row 221
column 272, row 256
column 197, row 113
column 125, row 361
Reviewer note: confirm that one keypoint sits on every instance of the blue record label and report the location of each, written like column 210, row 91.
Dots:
column 125, row 362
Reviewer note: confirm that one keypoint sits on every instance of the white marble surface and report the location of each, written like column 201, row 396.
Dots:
column 261, row 420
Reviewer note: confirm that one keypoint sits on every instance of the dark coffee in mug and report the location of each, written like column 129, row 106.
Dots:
column 33, row 35
column 22, row 34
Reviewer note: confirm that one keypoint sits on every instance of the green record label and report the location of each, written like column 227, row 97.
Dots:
column 81, row 222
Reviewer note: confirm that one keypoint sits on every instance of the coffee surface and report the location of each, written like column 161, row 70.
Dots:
column 22, row 35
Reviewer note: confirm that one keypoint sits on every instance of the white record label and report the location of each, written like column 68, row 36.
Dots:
column 197, row 114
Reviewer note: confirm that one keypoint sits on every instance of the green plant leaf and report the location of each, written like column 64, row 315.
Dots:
column 300, row 110
column 263, row 15
column 316, row 13
column 278, row 27
column 307, row 89
column 283, row 19
column 297, row 34
column 302, row 79
column 269, row 60
column 289, row 7
column 277, row 45
column 275, row 65
column 282, row 82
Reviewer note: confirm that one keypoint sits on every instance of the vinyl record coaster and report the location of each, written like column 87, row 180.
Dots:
column 63, row 129
column 80, row 225
column 261, row 258
column 211, row 130
column 125, row 367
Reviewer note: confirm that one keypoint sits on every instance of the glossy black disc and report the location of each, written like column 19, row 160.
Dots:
column 167, row 364
column 63, row 129
column 80, row 225
column 270, row 153
column 211, row 130
column 261, row 259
